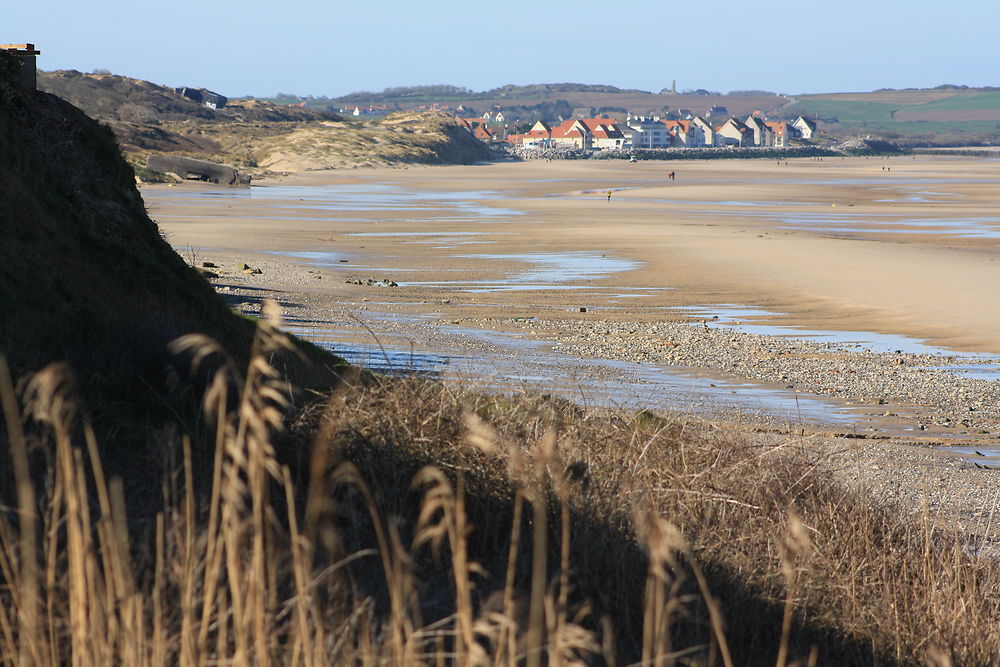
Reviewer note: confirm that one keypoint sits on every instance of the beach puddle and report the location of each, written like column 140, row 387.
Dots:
column 386, row 359
column 979, row 228
column 742, row 318
column 383, row 196
column 392, row 360
column 563, row 267
column 464, row 206
column 981, row 457
column 549, row 271
column 518, row 363
column 989, row 372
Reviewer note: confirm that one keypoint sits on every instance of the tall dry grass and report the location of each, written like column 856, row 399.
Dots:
column 429, row 525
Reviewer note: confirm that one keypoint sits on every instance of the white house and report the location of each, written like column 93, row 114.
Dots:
column 605, row 133
column 648, row 132
column 734, row 133
column 762, row 134
column 707, row 131
column 494, row 116
column 804, row 127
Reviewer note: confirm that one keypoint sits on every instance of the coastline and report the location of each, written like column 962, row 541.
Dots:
column 905, row 404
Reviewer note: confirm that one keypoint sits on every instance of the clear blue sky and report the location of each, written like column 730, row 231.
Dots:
column 310, row 47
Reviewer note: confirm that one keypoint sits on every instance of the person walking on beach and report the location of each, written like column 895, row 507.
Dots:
column 609, row 195
column 671, row 175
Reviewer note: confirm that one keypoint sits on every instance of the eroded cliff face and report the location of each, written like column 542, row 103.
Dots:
column 85, row 276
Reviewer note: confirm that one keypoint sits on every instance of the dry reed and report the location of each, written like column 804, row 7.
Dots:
column 435, row 526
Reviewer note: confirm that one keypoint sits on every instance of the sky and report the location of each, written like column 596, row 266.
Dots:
column 312, row 47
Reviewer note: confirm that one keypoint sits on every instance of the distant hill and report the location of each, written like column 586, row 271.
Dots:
column 257, row 135
column 946, row 115
column 443, row 93
column 553, row 95
column 123, row 99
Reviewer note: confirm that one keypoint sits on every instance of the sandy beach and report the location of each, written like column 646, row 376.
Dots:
column 840, row 244
column 852, row 297
column 844, row 303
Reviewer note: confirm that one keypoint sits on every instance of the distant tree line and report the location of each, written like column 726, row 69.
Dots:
column 751, row 93
column 531, row 90
column 943, row 86
column 448, row 93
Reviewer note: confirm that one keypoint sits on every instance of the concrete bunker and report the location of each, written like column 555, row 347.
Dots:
column 197, row 170
column 25, row 54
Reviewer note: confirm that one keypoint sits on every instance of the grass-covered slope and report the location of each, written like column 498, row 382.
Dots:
column 403, row 138
column 85, row 276
column 149, row 118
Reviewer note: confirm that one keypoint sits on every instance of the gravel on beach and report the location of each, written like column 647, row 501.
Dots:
column 923, row 480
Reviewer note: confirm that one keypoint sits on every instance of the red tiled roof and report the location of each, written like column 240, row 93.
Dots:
column 608, row 132
column 593, row 123
column 568, row 128
column 684, row 125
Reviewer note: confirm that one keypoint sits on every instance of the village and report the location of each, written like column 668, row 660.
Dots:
column 648, row 132
column 681, row 129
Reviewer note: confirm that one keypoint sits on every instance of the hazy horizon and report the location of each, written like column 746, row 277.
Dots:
column 304, row 47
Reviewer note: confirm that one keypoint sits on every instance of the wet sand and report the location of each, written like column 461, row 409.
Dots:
column 832, row 244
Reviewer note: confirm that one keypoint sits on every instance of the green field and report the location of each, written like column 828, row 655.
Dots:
column 917, row 116
column 966, row 101
column 844, row 111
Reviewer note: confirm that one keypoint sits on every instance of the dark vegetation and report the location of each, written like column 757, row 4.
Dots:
column 87, row 279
